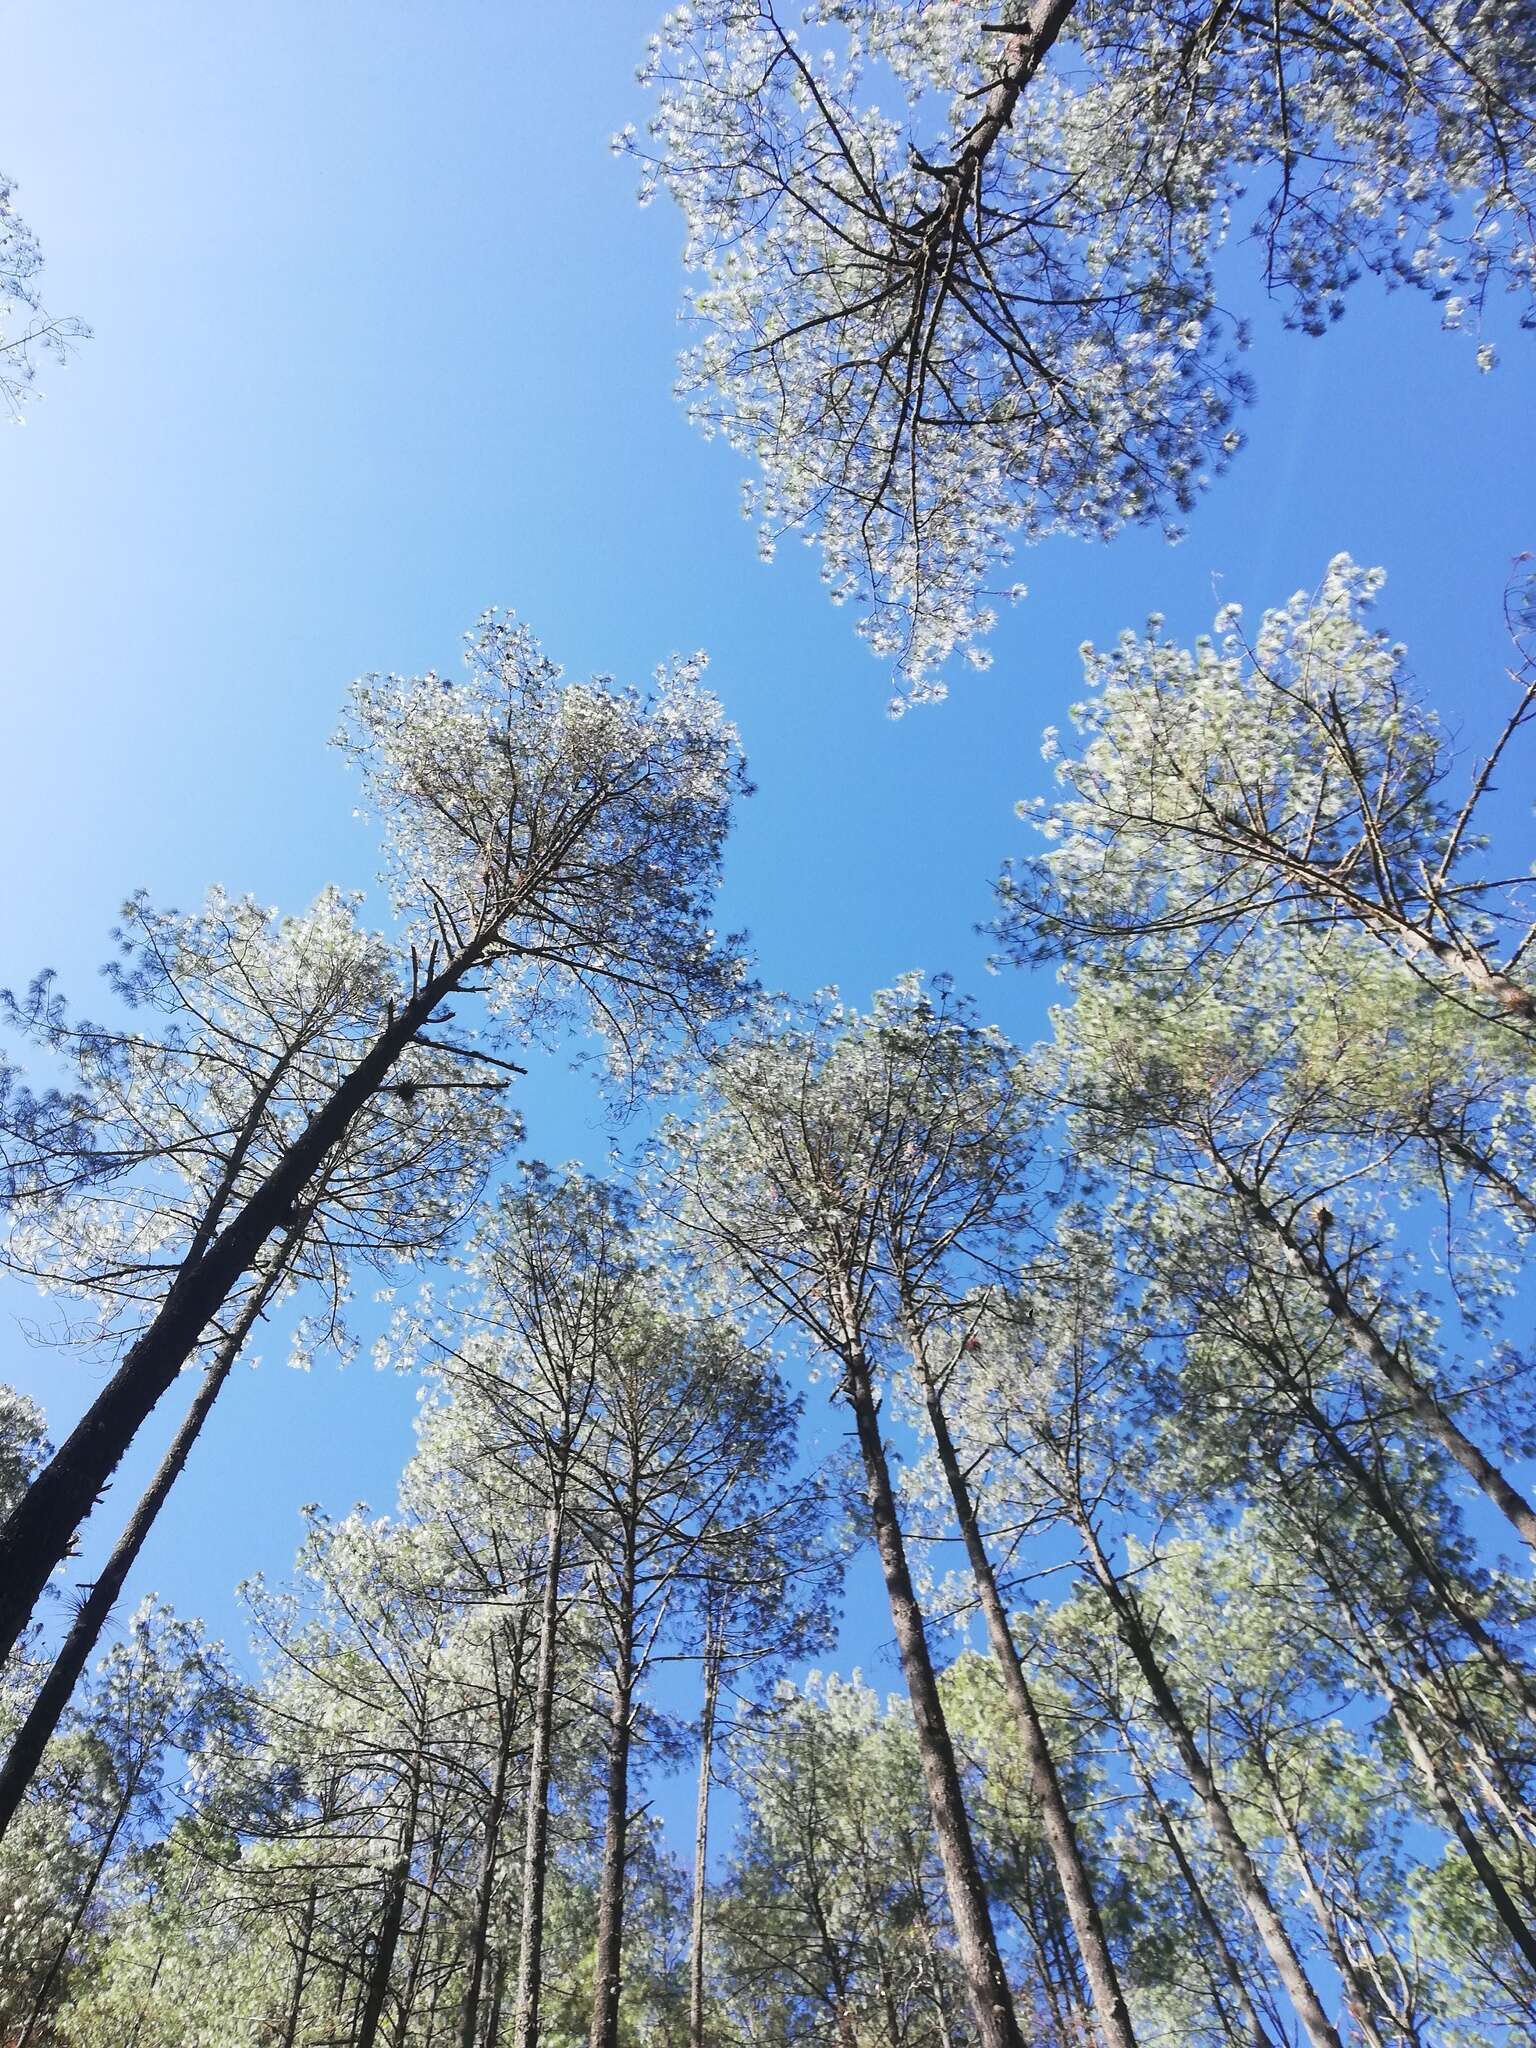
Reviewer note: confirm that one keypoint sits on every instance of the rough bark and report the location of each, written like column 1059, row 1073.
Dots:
column 300, row 1971
column 485, row 1882
column 1258, row 2034
column 988, row 1993
column 1252, row 1890
column 1110, row 2010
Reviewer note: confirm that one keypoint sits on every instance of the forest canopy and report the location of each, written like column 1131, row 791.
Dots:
column 950, row 1524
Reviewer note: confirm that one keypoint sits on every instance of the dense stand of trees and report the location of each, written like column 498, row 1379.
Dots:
column 1176, row 1382
column 1177, row 1371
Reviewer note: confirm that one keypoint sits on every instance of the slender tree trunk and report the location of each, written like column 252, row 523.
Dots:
column 1377, row 1495
column 485, row 1885
column 61, row 1952
column 1110, row 2010
column 608, row 1976
column 1258, row 2034
column 425, row 1920
column 498, row 1994
column 713, row 1659
column 530, row 1974
column 1482, row 1167
column 35, row 1732
column 990, row 1998
column 391, row 1920
column 1424, row 1762
column 1312, row 1266
column 38, row 1534
column 300, row 1971
column 1251, row 1888
column 1357, row 1991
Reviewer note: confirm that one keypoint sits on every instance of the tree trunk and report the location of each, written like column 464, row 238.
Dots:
column 987, row 1989
column 1110, row 2010
column 1358, row 1993
column 1258, row 2034
column 37, row 1535
column 300, row 1971
column 1429, row 1771
column 390, row 1921
column 1251, row 1888
column 530, row 1975
column 35, row 1732
column 1377, row 1494
column 713, row 1659
column 485, row 1885
column 609, row 1975
column 1420, row 1401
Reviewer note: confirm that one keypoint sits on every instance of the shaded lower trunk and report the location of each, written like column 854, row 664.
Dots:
column 609, row 1975
column 987, row 1990
column 300, row 1971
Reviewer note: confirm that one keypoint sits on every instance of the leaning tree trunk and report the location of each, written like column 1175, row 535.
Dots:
column 530, row 1975
column 608, row 1977
column 1357, row 1990
column 1109, row 2004
column 1258, row 2034
column 1251, row 1888
column 1377, row 1494
column 37, row 1535
column 1424, row 1762
column 713, row 1660
column 987, row 1989
column 32, row 1737
column 1311, row 1265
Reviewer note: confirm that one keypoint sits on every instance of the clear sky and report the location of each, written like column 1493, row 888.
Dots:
column 381, row 339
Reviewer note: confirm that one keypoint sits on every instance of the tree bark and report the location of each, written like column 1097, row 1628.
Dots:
column 1320, row 2030
column 1509, row 1914
column 38, row 1534
column 713, row 1659
column 35, row 1732
column 1357, row 1991
column 530, row 1974
column 987, row 1989
column 1110, row 2010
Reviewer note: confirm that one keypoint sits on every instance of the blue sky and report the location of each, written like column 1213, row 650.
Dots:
column 381, row 339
